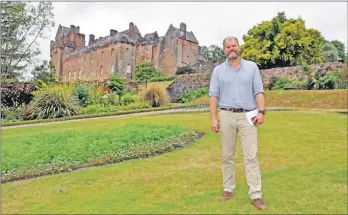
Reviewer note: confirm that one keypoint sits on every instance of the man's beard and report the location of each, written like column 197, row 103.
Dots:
column 233, row 55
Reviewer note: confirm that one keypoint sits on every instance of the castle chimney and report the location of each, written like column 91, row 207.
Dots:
column 131, row 25
column 78, row 29
column 183, row 27
column 72, row 28
column 91, row 39
column 113, row 32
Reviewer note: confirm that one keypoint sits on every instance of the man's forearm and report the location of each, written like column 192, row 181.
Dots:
column 260, row 101
column 213, row 107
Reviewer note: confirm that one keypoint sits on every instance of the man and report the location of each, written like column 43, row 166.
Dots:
column 236, row 88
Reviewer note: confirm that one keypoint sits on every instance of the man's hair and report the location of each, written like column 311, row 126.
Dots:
column 228, row 39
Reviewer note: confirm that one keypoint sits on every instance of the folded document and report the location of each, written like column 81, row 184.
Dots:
column 251, row 114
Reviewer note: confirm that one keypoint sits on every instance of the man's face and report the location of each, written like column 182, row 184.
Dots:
column 231, row 49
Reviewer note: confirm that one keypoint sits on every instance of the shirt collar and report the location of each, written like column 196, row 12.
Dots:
column 240, row 65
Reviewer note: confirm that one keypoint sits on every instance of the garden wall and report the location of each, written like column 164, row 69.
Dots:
column 180, row 86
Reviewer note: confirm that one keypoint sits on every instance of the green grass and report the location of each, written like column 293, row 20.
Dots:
column 319, row 99
column 303, row 159
column 78, row 145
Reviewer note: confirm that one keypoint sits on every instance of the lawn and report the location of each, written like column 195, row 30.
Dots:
column 49, row 152
column 319, row 99
column 303, row 159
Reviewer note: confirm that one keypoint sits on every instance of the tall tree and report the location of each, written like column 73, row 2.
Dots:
column 22, row 23
column 330, row 52
column 340, row 48
column 214, row 53
column 282, row 42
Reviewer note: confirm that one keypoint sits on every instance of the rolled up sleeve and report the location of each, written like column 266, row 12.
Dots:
column 257, row 81
column 214, row 85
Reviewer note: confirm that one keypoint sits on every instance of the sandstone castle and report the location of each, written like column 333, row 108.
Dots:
column 119, row 52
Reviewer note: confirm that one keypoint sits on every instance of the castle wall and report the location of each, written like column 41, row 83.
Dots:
column 187, row 53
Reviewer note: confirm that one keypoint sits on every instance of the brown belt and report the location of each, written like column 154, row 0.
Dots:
column 238, row 110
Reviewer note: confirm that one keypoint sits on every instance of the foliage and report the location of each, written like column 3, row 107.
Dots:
column 162, row 78
column 184, row 70
column 144, row 71
column 340, row 48
column 282, row 42
column 330, row 53
column 289, row 83
column 117, row 85
column 194, row 94
column 10, row 114
column 106, row 98
column 53, row 101
column 97, row 108
column 84, row 94
column 44, row 74
column 16, row 94
column 22, row 24
column 128, row 98
column 156, row 97
column 213, row 53
column 336, row 79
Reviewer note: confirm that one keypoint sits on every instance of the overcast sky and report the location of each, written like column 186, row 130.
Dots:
column 210, row 22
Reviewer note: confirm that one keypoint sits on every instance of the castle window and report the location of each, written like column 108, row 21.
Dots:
column 102, row 55
column 101, row 70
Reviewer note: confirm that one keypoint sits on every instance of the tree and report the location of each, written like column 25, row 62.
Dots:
column 22, row 23
column 330, row 52
column 213, row 53
column 340, row 48
column 144, row 71
column 282, row 42
column 44, row 73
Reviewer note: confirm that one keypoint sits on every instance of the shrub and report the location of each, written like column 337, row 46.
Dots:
column 162, row 78
column 144, row 71
column 53, row 101
column 194, row 94
column 156, row 97
column 16, row 94
column 336, row 79
column 97, row 108
column 10, row 114
column 83, row 94
column 184, row 70
column 117, row 85
column 128, row 98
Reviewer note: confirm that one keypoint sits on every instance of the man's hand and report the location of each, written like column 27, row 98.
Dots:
column 215, row 125
column 259, row 119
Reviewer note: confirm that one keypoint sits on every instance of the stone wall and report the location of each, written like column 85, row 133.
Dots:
column 180, row 86
column 297, row 71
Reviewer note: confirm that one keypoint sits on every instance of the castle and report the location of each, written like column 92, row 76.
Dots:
column 119, row 52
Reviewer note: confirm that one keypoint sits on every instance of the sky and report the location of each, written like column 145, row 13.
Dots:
column 210, row 22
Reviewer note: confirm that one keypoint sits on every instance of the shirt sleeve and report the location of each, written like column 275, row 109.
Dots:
column 257, row 81
column 214, row 85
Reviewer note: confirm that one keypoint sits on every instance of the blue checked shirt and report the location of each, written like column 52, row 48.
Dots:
column 236, row 88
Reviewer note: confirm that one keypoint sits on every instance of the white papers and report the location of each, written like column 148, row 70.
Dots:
column 250, row 115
